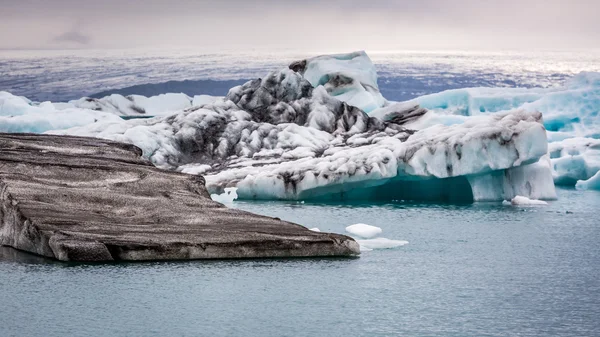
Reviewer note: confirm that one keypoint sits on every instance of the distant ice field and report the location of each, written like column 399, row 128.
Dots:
column 62, row 75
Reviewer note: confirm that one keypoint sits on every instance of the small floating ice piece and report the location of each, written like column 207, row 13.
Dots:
column 524, row 201
column 226, row 198
column 365, row 249
column 315, row 230
column 380, row 243
column 364, row 231
column 591, row 184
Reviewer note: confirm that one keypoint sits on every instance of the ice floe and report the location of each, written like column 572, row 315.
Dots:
column 381, row 243
column 364, row 231
column 366, row 236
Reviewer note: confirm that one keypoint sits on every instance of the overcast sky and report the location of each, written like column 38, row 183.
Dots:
column 304, row 25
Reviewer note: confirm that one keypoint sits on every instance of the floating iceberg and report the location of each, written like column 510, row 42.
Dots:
column 571, row 118
column 302, row 133
column 364, row 231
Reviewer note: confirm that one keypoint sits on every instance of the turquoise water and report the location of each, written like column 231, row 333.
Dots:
column 469, row 270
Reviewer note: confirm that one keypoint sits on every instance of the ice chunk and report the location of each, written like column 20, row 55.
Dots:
column 591, row 184
column 226, row 197
column 351, row 78
column 381, row 243
column 524, row 201
column 574, row 159
column 364, row 231
column 315, row 230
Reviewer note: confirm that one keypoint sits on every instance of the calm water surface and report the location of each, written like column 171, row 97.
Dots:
column 476, row 270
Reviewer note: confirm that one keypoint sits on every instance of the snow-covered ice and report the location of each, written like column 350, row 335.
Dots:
column 364, row 231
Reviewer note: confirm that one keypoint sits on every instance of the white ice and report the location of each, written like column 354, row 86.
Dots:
column 591, row 184
column 356, row 74
column 524, row 201
column 17, row 114
column 364, row 231
column 381, row 243
column 226, row 197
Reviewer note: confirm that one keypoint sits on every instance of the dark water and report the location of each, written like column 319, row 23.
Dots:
column 474, row 270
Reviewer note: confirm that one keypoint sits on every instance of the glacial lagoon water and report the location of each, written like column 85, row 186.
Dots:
column 482, row 269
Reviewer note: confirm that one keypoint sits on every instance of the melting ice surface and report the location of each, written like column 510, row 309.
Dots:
column 322, row 130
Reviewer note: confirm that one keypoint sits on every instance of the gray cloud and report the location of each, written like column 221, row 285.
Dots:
column 303, row 24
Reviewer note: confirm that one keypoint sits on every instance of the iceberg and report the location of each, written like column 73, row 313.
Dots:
column 571, row 118
column 574, row 159
column 321, row 130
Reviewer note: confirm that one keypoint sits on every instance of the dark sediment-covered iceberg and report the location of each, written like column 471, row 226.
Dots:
column 86, row 199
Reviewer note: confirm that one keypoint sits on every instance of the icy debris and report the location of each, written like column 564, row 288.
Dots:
column 364, row 231
column 226, row 197
column 524, row 201
column 315, row 230
column 381, row 243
